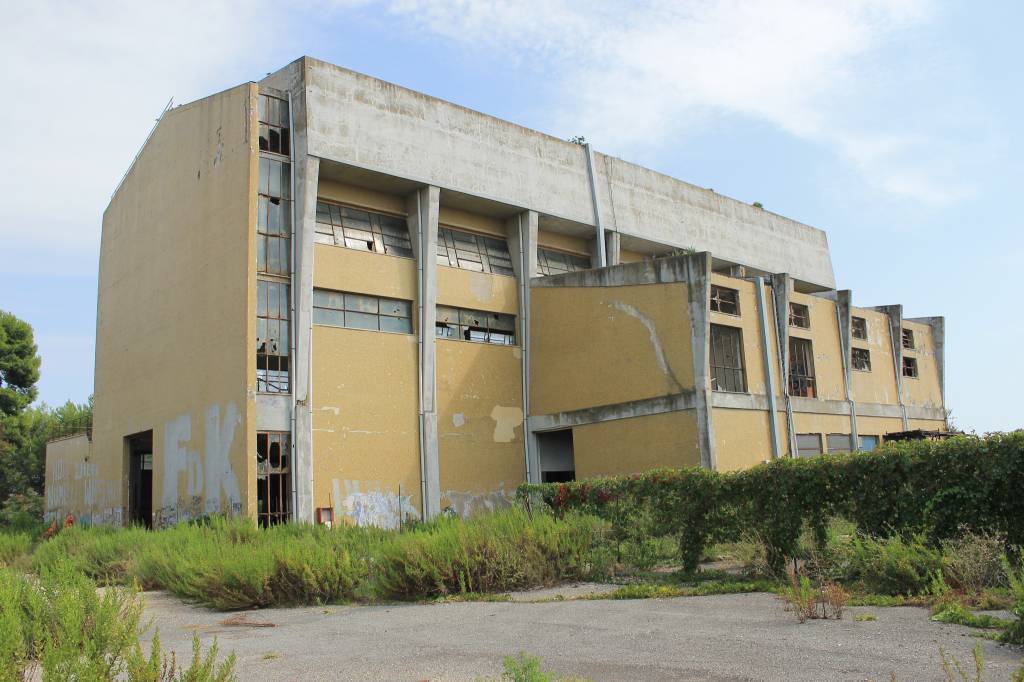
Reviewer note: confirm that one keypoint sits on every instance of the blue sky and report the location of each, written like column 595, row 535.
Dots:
column 895, row 126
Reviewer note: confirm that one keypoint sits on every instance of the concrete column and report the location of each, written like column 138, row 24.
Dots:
column 698, row 268
column 600, row 258
column 767, row 342
column 938, row 326
column 423, row 207
column 522, row 241
column 895, row 313
column 612, row 247
column 782, row 286
column 844, row 302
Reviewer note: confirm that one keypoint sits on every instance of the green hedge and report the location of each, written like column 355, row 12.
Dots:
column 929, row 488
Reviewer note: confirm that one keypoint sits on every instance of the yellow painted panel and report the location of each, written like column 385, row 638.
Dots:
column 477, row 290
column 479, row 423
column 175, row 349
column 365, row 442
column 563, row 242
column 878, row 385
column 824, row 335
column 749, row 321
column 805, row 422
column 626, row 256
column 464, row 220
column 878, row 426
column 742, row 438
column 362, row 272
column 926, row 424
column 360, row 197
column 925, row 389
column 606, row 345
column 628, row 446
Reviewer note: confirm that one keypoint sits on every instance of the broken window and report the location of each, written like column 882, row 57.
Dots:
column 274, row 135
column 473, row 252
column 801, row 368
column 861, row 359
column 725, row 300
column 840, row 442
column 859, row 328
column 910, row 367
column 727, row 359
column 908, row 339
column 359, row 311
column 273, row 478
column 272, row 338
column 275, row 178
column 799, row 316
column 273, row 236
column 551, row 262
column 475, row 325
column 363, row 230
column 808, row 444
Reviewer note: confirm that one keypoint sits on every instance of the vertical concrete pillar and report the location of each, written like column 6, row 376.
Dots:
column 895, row 313
column 767, row 343
column 844, row 302
column 782, row 286
column 600, row 259
column 613, row 247
column 423, row 207
column 938, row 326
column 698, row 267
column 522, row 241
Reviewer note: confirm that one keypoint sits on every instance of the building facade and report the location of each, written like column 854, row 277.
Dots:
column 326, row 298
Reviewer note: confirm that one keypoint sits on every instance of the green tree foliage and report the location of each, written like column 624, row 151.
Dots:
column 19, row 364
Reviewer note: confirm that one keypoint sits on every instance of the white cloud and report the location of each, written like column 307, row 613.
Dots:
column 83, row 83
column 637, row 74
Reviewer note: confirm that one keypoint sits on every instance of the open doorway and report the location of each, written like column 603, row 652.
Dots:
column 557, row 461
column 139, row 448
column 273, row 478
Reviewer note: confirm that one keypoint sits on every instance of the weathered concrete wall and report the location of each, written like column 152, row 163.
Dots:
column 629, row 446
column 175, row 349
column 749, row 322
column 926, row 389
column 608, row 345
column 371, row 124
column 72, row 482
column 878, row 385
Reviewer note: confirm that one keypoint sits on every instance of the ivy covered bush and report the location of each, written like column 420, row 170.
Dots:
column 931, row 489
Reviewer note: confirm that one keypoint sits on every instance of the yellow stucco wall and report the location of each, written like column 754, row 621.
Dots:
column 606, row 345
column 366, row 425
column 628, row 446
column 878, row 426
column 925, row 389
column 363, row 272
column 563, row 242
column 742, row 438
column 626, row 256
column 360, row 197
column 473, row 222
column 174, row 347
column 477, row 290
column 878, row 385
column 824, row 335
column 479, row 424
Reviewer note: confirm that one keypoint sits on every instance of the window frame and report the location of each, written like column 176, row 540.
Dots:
column 339, row 232
column 800, row 450
column 910, row 368
column 805, row 383
column 268, row 379
column 278, row 122
column 282, row 472
column 866, row 356
column 544, row 265
column 463, row 330
column 448, row 249
column 854, row 327
column 794, row 317
column 731, row 373
column 907, row 340
column 345, row 310
column 849, row 442
column 718, row 300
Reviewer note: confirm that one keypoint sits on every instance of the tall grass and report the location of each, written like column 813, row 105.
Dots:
column 230, row 564
column 14, row 546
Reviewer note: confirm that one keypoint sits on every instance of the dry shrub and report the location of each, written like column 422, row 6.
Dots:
column 973, row 561
column 826, row 599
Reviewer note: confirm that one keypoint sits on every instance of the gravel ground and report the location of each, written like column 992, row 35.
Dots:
column 728, row 637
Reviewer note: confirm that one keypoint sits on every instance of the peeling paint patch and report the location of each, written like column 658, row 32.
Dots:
column 506, row 419
column 458, row 419
column 659, row 351
column 328, row 408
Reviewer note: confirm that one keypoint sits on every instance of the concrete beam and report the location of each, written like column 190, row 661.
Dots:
column 423, row 209
column 769, row 369
column 844, row 304
column 686, row 400
column 698, row 274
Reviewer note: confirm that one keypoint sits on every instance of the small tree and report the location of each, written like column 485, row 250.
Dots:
column 19, row 365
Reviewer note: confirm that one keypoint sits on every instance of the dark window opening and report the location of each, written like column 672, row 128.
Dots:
column 272, row 336
column 139, row 448
column 910, row 368
column 469, row 251
column 556, row 456
column 860, row 358
column 551, row 262
column 725, row 300
column 801, row 368
column 273, row 478
column 727, row 359
column 799, row 316
column 362, row 230
column 859, row 328
column 273, row 116
column 475, row 325
column 908, row 339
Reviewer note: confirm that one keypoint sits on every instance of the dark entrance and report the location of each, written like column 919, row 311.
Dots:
column 273, row 478
column 140, row 478
column 557, row 460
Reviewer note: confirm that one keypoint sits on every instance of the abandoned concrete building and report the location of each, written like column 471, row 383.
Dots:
column 327, row 298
